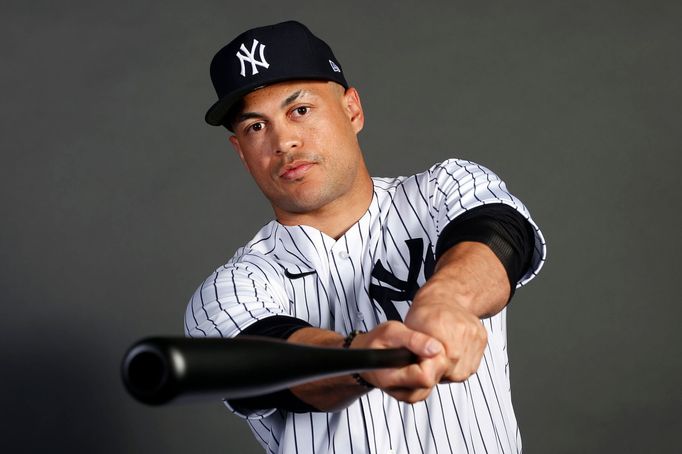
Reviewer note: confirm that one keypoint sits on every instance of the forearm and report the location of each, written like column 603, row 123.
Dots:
column 411, row 383
column 470, row 275
column 329, row 394
column 469, row 283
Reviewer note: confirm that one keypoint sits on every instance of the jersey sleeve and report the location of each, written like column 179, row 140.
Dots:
column 246, row 289
column 457, row 186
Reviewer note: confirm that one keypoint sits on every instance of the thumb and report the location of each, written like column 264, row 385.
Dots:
column 424, row 345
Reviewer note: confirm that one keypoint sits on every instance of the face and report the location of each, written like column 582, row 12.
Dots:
column 299, row 142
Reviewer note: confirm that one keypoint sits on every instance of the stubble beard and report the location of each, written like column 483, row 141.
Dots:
column 316, row 195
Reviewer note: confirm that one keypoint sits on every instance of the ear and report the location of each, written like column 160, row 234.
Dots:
column 353, row 106
column 235, row 144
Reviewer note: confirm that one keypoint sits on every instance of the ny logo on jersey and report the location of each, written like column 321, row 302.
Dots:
column 250, row 56
column 401, row 290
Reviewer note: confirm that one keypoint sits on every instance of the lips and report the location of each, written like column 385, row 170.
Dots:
column 295, row 170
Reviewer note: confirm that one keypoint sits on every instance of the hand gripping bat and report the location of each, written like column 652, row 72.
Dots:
column 158, row 370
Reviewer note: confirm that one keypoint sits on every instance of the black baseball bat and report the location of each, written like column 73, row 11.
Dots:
column 158, row 370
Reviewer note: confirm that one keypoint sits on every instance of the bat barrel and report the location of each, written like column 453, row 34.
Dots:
column 159, row 370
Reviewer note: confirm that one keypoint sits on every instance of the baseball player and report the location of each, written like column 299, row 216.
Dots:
column 426, row 262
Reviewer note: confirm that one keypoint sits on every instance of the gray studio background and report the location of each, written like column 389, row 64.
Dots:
column 118, row 200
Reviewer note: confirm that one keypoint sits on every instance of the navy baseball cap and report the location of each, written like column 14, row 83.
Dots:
column 267, row 55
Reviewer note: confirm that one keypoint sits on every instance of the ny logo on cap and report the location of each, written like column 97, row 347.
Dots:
column 251, row 58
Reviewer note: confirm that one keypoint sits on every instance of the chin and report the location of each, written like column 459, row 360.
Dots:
column 306, row 202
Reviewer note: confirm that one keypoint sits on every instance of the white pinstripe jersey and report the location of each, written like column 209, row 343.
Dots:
column 366, row 276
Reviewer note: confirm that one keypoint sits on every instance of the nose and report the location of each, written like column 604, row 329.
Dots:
column 287, row 139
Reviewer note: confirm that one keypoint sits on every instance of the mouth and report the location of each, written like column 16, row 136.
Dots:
column 295, row 170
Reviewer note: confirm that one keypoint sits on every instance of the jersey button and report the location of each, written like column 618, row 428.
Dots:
column 344, row 255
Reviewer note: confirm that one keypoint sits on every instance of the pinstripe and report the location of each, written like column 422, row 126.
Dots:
column 490, row 413
column 263, row 441
column 430, row 425
column 319, row 280
column 458, row 187
column 473, row 409
column 384, row 397
column 255, row 243
column 194, row 317
column 291, row 253
column 416, row 215
column 293, row 424
column 329, row 436
column 236, row 295
column 366, row 403
column 343, row 289
column 312, row 433
column 421, row 194
column 473, row 177
column 252, row 285
column 350, row 435
column 445, row 203
column 371, row 252
column 354, row 287
column 402, row 423
column 416, row 429
column 307, row 306
column 365, row 285
column 303, row 258
column 497, row 399
column 397, row 247
column 444, row 419
column 203, row 306
column 333, row 437
column 344, row 319
column 459, row 421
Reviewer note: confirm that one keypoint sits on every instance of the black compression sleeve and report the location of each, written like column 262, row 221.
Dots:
column 508, row 234
column 279, row 327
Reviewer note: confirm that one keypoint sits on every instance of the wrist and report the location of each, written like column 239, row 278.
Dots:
column 444, row 290
column 356, row 376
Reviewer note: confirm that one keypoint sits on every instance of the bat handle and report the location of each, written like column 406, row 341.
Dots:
column 157, row 370
column 382, row 358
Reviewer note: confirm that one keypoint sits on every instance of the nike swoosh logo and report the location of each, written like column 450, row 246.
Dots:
column 297, row 275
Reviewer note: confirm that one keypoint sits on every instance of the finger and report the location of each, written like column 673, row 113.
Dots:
column 425, row 374
column 465, row 360
column 424, row 345
column 411, row 396
column 395, row 335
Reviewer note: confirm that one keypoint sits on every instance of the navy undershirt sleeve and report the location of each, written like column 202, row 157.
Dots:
column 508, row 234
column 279, row 327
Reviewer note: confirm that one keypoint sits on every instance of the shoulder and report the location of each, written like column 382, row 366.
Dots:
column 256, row 257
column 444, row 169
column 457, row 168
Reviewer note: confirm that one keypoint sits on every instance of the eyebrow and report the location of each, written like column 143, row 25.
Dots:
column 293, row 97
column 246, row 116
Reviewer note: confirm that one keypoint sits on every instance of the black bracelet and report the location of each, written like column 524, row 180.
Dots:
column 358, row 379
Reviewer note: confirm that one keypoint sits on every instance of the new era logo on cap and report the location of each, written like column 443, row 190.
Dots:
column 268, row 55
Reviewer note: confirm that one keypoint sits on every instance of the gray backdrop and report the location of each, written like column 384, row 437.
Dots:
column 117, row 199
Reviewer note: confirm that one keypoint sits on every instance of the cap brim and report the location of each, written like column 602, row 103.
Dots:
column 215, row 116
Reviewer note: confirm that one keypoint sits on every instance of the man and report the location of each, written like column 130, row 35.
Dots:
column 427, row 263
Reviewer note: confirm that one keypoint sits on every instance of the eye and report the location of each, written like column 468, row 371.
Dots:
column 302, row 110
column 255, row 127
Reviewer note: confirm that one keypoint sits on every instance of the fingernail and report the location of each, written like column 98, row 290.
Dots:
column 433, row 347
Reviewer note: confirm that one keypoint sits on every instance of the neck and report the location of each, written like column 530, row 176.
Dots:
column 335, row 218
